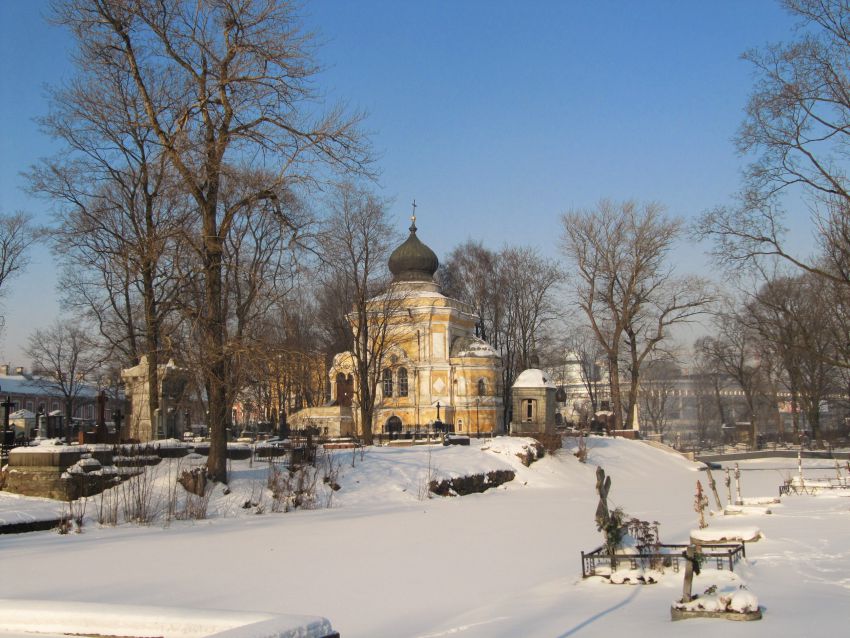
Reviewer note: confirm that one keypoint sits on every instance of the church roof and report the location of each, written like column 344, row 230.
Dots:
column 469, row 346
column 533, row 378
column 413, row 260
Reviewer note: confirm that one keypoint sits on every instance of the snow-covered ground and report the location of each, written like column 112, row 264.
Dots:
column 385, row 560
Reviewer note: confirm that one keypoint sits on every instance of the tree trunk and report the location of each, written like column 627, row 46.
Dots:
column 814, row 419
column 633, row 381
column 214, row 346
column 366, row 406
column 69, row 410
column 614, row 383
column 151, row 343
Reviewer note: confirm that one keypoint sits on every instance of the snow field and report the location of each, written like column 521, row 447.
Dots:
column 382, row 561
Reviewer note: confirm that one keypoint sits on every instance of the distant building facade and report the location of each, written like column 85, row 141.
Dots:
column 32, row 394
column 689, row 408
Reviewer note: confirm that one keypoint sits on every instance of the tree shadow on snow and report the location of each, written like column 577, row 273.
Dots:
column 605, row 612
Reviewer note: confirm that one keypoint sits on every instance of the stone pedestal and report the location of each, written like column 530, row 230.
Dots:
column 37, row 472
column 140, row 424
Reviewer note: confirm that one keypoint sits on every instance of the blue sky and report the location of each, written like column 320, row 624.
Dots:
column 495, row 116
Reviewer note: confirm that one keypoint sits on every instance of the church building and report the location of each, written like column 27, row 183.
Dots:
column 434, row 368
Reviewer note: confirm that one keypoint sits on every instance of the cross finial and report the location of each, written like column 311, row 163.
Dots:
column 413, row 218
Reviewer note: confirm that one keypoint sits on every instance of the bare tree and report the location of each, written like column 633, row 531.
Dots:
column 530, row 282
column 658, row 383
column 471, row 274
column 707, row 383
column 16, row 236
column 788, row 314
column 259, row 261
column 797, row 127
column 221, row 84
column 120, row 216
column 734, row 352
column 64, row 360
column 355, row 245
column 289, row 369
column 512, row 292
column 625, row 286
column 584, row 351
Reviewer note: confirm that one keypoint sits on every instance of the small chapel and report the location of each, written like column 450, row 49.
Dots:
column 435, row 373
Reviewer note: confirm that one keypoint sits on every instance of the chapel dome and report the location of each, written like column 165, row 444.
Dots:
column 413, row 260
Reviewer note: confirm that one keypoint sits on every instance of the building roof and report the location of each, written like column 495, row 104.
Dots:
column 469, row 346
column 533, row 378
column 413, row 260
column 17, row 384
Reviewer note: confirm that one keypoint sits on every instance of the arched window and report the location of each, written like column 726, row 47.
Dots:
column 388, row 382
column 529, row 409
column 482, row 387
column 402, row 382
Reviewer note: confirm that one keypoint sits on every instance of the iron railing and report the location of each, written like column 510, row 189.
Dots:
column 662, row 556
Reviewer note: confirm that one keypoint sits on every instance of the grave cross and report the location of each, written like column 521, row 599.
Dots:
column 603, row 486
column 8, row 404
column 691, row 568
column 713, row 487
column 728, row 487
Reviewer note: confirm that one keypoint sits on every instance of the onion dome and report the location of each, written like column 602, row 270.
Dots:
column 413, row 260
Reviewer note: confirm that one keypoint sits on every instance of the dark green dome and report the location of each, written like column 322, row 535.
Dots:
column 413, row 260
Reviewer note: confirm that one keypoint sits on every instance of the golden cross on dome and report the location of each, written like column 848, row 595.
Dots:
column 413, row 217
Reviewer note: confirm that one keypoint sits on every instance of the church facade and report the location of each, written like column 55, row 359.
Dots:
column 434, row 369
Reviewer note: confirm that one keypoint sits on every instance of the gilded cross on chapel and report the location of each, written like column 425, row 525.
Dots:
column 413, row 218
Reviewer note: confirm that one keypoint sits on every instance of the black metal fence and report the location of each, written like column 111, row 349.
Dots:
column 662, row 556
